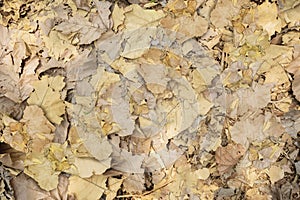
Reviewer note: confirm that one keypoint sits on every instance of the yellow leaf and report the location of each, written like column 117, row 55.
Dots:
column 118, row 17
column 47, row 96
column 275, row 173
column 90, row 166
column 203, row 173
column 87, row 189
column 194, row 26
column 40, row 169
column 33, row 132
column 138, row 17
column 59, row 46
column 266, row 17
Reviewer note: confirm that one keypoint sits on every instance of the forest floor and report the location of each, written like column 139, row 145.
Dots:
column 139, row 99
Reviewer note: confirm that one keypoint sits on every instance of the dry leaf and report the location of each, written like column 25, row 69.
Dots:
column 87, row 189
column 227, row 157
column 26, row 188
column 134, row 183
column 45, row 166
column 40, row 169
column 220, row 16
column 137, row 17
column 47, row 95
column 113, row 185
column 59, row 46
column 296, row 85
column 261, row 94
column 203, row 173
column 118, row 17
column 187, row 26
column 89, row 166
column 248, row 130
column 138, row 42
column 87, row 31
column 126, row 162
column 104, row 21
column 266, row 16
column 33, row 132
column 275, row 173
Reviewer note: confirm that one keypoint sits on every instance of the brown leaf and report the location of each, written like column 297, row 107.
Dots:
column 227, row 157
column 26, row 188
column 296, row 86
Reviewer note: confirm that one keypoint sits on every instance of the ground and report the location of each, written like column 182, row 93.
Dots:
column 139, row 99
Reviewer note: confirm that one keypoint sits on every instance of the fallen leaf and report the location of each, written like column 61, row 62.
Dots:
column 138, row 42
column 87, row 32
column 248, row 130
column 32, row 132
column 228, row 156
column 275, row 173
column 59, row 46
column 134, row 183
column 136, row 17
column 203, row 173
column 113, row 185
column 104, row 21
column 220, row 17
column 86, row 189
column 296, row 86
column 188, row 27
column 40, row 169
column 266, row 17
column 89, row 166
column 26, row 188
column 118, row 17
column 46, row 165
column 261, row 94
column 47, row 95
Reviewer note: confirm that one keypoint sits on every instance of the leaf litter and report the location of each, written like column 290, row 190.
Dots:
column 139, row 99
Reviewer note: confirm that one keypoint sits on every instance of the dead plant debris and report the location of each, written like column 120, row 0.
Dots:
column 140, row 99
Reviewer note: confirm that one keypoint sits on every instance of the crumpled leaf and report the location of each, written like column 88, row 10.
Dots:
column 228, row 156
column 32, row 132
column 13, row 55
column 47, row 95
column 45, row 166
column 40, row 169
column 11, row 158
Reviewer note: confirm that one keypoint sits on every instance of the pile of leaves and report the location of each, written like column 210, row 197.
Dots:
column 138, row 99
